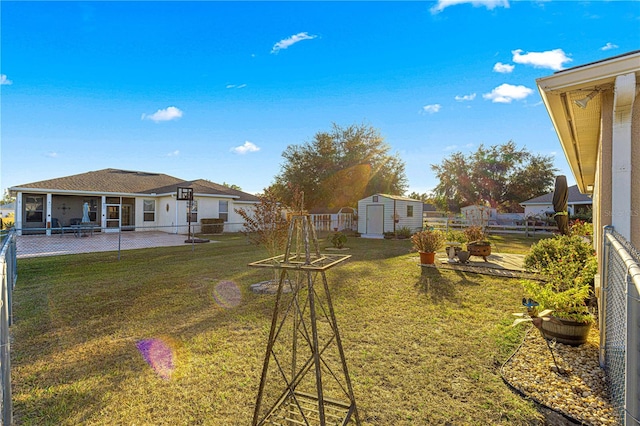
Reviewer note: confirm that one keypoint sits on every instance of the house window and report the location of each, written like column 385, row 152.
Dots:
column 193, row 212
column 409, row 211
column 149, row 209
column 375, row 198
column 223, row 210
column 34, row 207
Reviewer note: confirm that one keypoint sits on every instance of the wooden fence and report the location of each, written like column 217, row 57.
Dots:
column 525, row 227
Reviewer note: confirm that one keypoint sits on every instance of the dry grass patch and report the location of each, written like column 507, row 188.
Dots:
column 422, row 347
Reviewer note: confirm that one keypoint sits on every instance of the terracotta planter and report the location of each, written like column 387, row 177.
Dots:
column 569, row 332
column 427, row 258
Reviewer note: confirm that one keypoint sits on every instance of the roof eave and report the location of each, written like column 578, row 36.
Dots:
column 555, row 91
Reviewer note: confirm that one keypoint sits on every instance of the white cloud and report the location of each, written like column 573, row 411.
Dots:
column 170, row 113
column 285, row 43
column 609, row 46
column 552, row 59
column 466, row 97
column 52, row 154
column 173, row 153
column 4, row 81
column 489, row 4
column 235, row 86
column 505, row 93
column 245, row 148
column 503, row 68
column 450, row 147
column 431, row 109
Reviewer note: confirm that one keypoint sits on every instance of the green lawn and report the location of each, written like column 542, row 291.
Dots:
column 422, row 347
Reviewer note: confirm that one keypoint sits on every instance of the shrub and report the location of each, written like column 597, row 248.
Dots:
column 545, row 255
column 569, row 265
column 403, row 232
column 456, row 236
column 338, row 239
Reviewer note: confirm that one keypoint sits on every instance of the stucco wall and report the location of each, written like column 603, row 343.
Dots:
column 635, row 171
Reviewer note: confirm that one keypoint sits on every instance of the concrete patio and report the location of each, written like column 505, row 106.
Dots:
column 56, row 244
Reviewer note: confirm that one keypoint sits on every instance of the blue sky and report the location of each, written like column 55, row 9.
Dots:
column 218, row 90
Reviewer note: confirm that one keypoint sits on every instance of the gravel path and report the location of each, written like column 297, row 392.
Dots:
column 581, row 393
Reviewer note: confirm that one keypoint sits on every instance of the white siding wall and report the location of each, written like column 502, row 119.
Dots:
column 414, row 222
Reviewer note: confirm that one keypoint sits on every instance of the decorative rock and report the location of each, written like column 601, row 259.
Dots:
column 580, row 393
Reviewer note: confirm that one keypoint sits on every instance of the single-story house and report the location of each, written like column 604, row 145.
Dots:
column 380, row 213
column 123, row 199
column 595, row 111
column 578, row 203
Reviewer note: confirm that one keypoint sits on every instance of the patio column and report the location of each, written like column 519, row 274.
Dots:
column 624, row 95
column 48, row 216
column 103, row 212
column 18, row 213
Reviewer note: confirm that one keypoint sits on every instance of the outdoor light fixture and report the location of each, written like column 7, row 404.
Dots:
column 582, row 103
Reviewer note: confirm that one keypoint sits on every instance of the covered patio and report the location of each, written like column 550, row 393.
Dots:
column 70, row 243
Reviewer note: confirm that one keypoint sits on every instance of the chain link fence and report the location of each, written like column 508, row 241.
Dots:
column 8, row 267
column 38, row 242
column 621, row 328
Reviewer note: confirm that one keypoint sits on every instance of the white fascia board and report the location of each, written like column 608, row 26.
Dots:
column 74, row 192
column 591, row 75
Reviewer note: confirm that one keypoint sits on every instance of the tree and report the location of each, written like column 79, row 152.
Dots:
column 8, row 198
column 231, row 186
column 500, row 176
column 339, row 167
column 265, row 223
column 424, row 197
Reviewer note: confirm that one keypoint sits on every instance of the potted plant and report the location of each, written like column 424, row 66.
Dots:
column 568, row 265
column 477, row 244
column 427, row 243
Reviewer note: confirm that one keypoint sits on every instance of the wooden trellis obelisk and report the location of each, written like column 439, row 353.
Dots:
column 304, row 379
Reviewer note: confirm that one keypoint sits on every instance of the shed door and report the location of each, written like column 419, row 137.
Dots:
column 375, row 219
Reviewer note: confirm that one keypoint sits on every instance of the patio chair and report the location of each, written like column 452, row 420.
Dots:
column 57, row 226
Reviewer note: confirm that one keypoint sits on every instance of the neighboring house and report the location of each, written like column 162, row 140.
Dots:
column 596, row 113
column 578, row 203
column 122, row 199
column 478, row 215
column 380, row 213
column 7, row 209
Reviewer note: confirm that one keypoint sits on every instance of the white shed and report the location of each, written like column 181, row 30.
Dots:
column 380, row 213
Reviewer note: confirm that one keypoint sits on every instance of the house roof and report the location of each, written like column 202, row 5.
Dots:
column 130, row 182
column 579, row 128
column 574, row 196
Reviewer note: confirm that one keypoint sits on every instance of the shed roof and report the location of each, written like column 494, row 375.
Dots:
column 398, row 197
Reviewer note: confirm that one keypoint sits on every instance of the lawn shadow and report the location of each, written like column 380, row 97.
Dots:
column 436, row 285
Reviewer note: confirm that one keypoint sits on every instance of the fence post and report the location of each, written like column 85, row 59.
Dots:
column 119, row 240
column 633, row 352
column 602, row 301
